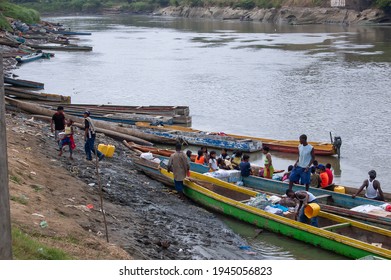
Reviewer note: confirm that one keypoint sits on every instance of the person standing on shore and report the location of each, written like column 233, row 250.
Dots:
column 89, row 138
column 179, row 165
column 301, row 168
column 372, row 187
column 57, row 124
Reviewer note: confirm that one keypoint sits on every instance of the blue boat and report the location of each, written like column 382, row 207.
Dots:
column 208, row 140
column 23, row 83
column 30, row 57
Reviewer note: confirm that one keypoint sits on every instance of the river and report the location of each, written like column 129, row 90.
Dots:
column 241, row 77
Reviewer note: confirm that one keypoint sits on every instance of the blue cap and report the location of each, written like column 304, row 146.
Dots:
column 321, row 166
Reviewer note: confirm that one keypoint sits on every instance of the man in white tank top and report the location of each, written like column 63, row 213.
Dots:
column 373, row 190
column 301, row 169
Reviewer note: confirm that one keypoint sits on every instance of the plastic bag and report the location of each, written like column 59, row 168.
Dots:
column 147, row 156
column 260, row 201
column 273, row 210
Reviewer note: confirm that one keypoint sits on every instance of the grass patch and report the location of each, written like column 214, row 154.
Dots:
column 16, row 179
column 18, row 12
column 37, row 188
column 4, row 24
column 26, row 248
column 20, row 199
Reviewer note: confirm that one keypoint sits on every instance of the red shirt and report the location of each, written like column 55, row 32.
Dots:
column 325, row 179
column 330, row 174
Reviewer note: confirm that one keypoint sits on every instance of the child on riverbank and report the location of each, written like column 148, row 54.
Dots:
column 68, row 139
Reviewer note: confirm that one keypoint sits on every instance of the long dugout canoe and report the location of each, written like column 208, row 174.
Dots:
column 23, row 83
column 31, row 95
column 340, row 235
column 39, row 110
column 332, row 202
column 285, row 146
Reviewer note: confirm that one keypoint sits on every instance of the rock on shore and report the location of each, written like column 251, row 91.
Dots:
column 284, row 15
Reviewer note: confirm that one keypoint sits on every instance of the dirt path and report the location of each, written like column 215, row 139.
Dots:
column 142, row 214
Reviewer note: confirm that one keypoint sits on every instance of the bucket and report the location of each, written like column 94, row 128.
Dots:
column 339, row 189
column 102, row 148
column 110, row 151
column 311, row 210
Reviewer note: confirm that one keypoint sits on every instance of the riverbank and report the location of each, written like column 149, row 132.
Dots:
column 145, row 219
column 284, row 15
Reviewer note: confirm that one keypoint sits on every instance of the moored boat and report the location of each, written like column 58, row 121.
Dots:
column 285, row 146
column 340, row 235
column 29, row 57
column 23, row 83
column 26, row 94
column 212, row 141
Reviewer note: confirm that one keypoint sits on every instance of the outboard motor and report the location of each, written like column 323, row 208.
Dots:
column 337, row 144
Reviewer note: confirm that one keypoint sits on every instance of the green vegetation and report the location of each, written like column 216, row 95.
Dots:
column 26, row 248
column 384, row 4
column 15, row 179
column 17, row 12
column 20, row 199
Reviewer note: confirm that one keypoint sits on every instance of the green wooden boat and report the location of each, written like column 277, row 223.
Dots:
column 338, row 234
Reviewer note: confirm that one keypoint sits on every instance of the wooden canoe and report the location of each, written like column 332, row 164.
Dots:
column 40, row 110
column 212, row 141
column 333, row 202
column 61, row 48
column 26, row 94
column 340, row 235
column 285, row 146
column 151, row 114
column 23, row 83
column 29, row 57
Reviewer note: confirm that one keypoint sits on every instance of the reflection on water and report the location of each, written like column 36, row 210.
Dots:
column 275, row 246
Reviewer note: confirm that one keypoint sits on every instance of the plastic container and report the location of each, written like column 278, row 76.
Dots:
column 110, row 151
column 339, row 189
column 312, row 210
column 102, row 148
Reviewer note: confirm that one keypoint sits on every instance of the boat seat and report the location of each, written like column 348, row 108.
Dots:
column 323, row 196
column 337, row 226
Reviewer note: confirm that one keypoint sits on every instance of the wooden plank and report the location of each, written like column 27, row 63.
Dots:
column 5, row 218
column 336, row 226
column 323, row 196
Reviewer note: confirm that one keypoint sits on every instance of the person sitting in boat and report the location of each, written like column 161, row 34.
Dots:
column 372, row 187
column 213, row 162
column 245, row 166
column 68, row 139
column 315, row 178
column 329, row 173
column 224, row 154
column 315, row 164
column 200, row 159
column 221, row 164
column 285, row 177
column 206, row 154
column 268, row 169
column 236, row 160
column 304, row 198
column 324, row 184
column 188, row 155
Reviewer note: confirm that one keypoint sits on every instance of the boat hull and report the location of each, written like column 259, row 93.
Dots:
column 322, row 238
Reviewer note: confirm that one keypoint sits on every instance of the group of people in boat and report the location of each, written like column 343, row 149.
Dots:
column 237, row 161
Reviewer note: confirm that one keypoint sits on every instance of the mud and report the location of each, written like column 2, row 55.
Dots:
column 144, row 217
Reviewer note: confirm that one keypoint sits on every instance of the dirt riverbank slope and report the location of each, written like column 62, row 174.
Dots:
column 142, row 214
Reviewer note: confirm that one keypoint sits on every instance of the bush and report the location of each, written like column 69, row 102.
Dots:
column 384, row 4
column 21, row 13
column 245, row 4
column 141, row 7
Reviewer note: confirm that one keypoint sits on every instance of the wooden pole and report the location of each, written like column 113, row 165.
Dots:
column 5, row 218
